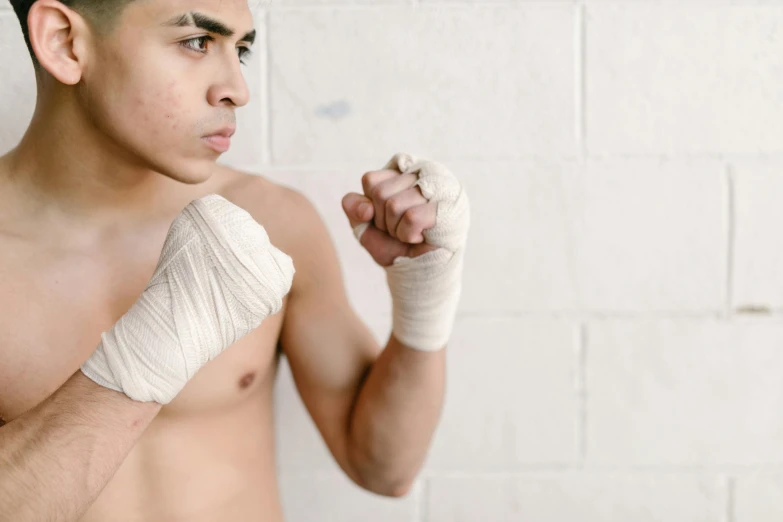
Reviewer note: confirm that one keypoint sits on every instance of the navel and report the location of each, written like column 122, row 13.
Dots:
column 247, row 380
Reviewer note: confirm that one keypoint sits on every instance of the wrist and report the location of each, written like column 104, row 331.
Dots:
column 425, row 294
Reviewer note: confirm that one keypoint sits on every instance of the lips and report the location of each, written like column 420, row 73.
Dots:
column 220, row 140
column 218, row 143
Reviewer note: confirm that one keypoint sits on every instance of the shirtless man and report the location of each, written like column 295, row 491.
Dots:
column 136, row 101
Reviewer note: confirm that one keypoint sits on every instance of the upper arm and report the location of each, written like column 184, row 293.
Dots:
column 328, row 347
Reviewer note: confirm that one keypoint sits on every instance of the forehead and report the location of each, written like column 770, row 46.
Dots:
column 236, row 14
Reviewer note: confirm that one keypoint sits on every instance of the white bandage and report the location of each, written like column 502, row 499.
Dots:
column 426, row 289
column 217, row 278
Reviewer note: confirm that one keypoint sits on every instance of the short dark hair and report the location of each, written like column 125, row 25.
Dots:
column 100, row 13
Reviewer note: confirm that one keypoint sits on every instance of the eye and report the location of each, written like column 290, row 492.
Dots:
column 244, row 53
column 200, row 44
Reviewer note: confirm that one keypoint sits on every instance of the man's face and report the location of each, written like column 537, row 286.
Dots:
column 165, row 82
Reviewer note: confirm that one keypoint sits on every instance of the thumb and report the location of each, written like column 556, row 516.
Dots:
column 358, row 208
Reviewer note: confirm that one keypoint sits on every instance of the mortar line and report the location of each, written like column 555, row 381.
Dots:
column 582, row 344
column 730, row 240
column 730, row 498
column 580, row 61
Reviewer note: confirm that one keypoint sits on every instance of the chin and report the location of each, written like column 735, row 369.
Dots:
column 191, row 171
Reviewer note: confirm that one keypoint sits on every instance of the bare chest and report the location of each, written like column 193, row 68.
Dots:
column 53, row 309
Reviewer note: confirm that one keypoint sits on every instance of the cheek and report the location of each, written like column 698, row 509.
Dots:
column 142, row 103
column 161, row 110
column 152, row 112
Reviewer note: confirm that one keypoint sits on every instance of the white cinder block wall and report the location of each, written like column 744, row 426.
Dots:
column 619, row 350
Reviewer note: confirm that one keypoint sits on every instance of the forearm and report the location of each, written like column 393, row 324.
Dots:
column 56, row 458
column 395, row 416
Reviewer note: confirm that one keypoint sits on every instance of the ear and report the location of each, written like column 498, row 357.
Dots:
column 59, row 39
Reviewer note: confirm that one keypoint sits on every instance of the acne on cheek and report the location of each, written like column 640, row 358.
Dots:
column 172, row 109
column 161, row 110
column 157, row 113
column 141, row 108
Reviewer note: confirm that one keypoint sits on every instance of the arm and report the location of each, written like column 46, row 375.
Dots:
column 395, row 416
column 375, row 409
column 56, row 458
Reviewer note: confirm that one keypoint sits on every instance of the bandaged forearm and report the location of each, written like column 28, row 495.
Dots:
column 426, row 289
column 217, row 278
column 425, row 293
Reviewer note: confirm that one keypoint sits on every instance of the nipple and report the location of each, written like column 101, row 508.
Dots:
column 247, row 380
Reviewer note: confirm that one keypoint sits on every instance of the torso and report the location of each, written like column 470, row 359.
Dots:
column 209, row 454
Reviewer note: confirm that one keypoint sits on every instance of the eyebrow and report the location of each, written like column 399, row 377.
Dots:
column 208, row 24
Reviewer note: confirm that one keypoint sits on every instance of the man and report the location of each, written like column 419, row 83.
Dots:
column 119, row 230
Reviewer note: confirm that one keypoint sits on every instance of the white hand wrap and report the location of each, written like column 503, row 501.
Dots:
column 426, row 289
column 217, row 278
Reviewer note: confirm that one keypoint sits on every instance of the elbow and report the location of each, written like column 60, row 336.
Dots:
column 382, row 481
column 387, row 488
column 381, row 474
column 398, row 492
column 401, row 490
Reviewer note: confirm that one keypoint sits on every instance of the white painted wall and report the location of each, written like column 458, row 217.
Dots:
column 624, row 161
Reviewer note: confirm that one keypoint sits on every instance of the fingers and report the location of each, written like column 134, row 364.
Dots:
column 415, row 221
column 402, row 204
column 382, row 185
column 358, row 208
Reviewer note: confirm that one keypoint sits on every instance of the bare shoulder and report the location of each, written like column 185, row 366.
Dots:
column 289, row 217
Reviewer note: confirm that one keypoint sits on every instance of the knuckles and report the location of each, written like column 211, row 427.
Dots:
column 394, row 206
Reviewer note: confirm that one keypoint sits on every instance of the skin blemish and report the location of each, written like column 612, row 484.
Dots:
column 247, row 380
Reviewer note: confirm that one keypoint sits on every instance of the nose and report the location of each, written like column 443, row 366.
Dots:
column 229, row 86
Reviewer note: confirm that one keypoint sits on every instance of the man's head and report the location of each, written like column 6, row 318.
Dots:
column 149, row 80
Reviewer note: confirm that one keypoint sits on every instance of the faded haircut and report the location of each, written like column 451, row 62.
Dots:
column 100, row 14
